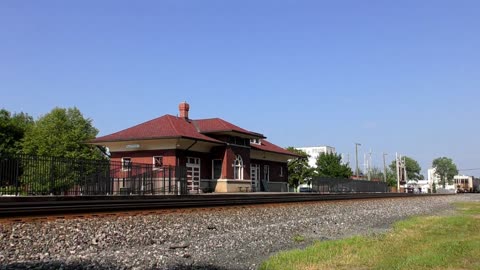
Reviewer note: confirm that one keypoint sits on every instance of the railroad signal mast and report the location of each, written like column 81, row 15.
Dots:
column 367, row 164
column 401, row 170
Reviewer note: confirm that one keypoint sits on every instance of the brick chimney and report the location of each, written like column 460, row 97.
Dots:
column 184, row 108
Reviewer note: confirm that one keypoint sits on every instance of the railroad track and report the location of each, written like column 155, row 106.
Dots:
column 45, row 206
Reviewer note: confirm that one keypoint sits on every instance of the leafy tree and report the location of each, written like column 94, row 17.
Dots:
column 376, row 173
column 62, row 133
column 391, row 178
column 446, row 169
column 413, row 168
column 330, row 165
column 12, row 131
column 299, row 172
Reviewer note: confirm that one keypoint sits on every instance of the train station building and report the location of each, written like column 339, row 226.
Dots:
column 218, row 156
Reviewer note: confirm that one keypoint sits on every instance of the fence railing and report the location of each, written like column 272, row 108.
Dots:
column 40, row 175
column 340, row 185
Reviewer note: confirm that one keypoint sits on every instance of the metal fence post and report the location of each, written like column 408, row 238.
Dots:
column 51, row 177
column 169, row 179
column 16, row 177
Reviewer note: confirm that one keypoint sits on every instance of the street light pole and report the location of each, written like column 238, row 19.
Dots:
column 356, row 158
column 384, row 168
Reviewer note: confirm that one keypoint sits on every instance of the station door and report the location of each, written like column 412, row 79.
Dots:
column 255, row 176
column 193, row 175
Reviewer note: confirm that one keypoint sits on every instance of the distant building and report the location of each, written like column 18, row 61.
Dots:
column 433, row 177
column 315, row 151
column 463, row 183
column 420, row 186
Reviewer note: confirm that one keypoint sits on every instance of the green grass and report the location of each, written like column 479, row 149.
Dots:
column 298, row 238
column 444, row 242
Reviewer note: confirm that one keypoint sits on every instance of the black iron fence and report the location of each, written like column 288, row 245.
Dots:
column 340, row 185
column 39, row 175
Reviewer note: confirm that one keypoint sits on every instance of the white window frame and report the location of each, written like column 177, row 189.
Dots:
column 126, row 168
column 195, row 160
column 238, row 168
column 153, row 160
column 213, row 168
column 255, row 141
column 254, row 168
column 266, row 172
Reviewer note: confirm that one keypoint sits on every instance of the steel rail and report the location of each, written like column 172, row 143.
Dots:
column 23, row 208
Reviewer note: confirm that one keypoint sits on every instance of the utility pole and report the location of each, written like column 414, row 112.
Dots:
column 356, row 158
column 384, row 168
column 365, row 164
column 370, row 165
column 398, row 172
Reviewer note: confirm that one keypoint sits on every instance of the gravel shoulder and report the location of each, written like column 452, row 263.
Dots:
column 236, row 238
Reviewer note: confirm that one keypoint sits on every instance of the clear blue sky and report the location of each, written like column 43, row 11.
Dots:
column 395, row 76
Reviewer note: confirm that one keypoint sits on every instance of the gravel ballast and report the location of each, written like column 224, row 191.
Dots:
column 233, row 238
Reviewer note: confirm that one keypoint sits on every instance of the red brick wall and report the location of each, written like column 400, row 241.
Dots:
column 274, row 169
column 229, row 157
column 170, row 158
column 216, row 153
column 146, row 157
column 227, row 169
column 205, row 162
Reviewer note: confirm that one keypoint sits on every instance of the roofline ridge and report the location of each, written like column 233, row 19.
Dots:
column 114, row 133
column 224, row 123
column 132, row 127
column 195, row 125
column 171, row 123
column 202, row 119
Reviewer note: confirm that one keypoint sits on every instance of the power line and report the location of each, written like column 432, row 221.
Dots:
column 473, row 169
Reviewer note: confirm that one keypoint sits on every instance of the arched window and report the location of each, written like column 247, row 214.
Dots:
column 238, row 168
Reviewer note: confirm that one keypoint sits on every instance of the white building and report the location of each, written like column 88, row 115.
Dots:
column 420, row 186
column 315, row 151
column 433, row 177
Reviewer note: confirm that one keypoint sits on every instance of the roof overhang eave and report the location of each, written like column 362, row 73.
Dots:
column 229, row 131
column 278, row 153
column 102, row 142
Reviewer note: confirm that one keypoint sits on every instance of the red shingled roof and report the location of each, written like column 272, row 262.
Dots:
column 167, row 126
column 270, row 147
column 214, row 125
